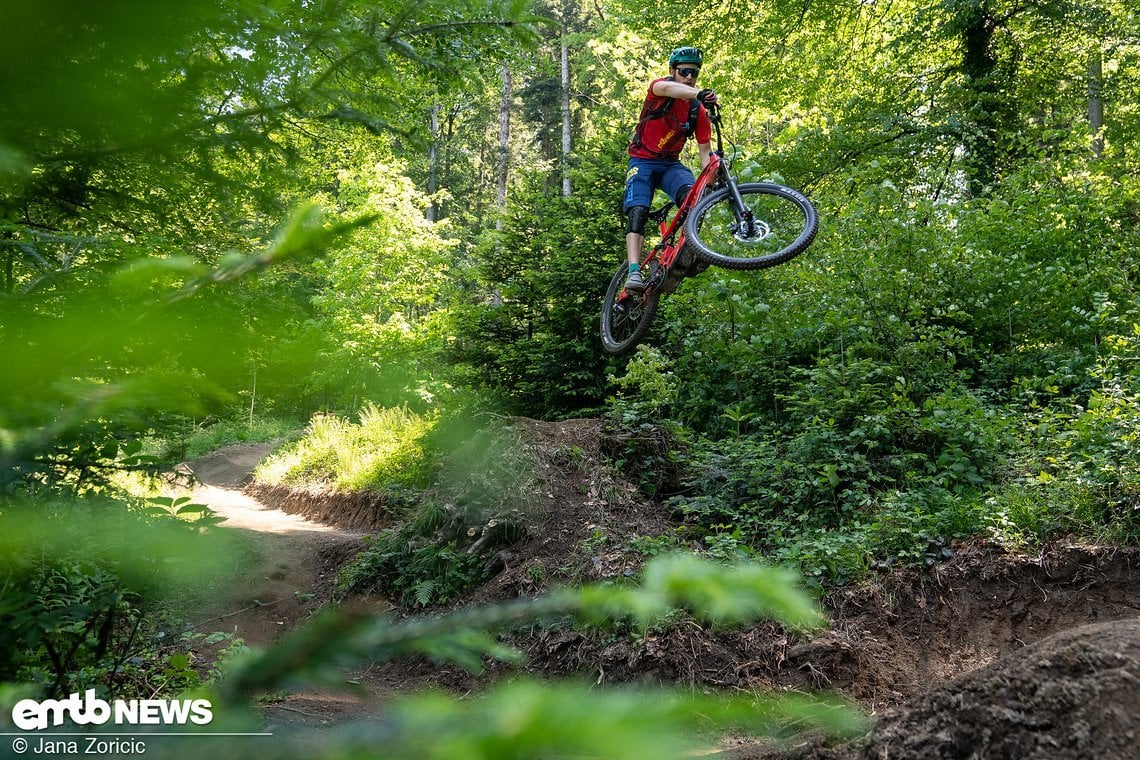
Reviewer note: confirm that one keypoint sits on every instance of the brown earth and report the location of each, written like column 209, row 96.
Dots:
column 987, row 654
column 292, row 561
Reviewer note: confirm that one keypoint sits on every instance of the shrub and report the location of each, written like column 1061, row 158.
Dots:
column 86, row 584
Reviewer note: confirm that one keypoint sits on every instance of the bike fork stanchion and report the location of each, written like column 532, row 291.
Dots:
column 744, row 217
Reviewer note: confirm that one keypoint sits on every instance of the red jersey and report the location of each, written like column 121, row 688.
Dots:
column 664, row 137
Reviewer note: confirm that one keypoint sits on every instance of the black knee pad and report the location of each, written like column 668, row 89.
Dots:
column 681, row 195
column 636, row 219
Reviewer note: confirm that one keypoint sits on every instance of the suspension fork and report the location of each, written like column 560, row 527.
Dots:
column 744, row 216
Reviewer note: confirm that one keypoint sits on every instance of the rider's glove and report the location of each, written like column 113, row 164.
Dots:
column 708, row 97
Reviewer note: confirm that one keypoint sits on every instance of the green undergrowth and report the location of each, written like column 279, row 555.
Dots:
column 866, row 469
column 457, row 490
column 97, row 592
column 384, row 448
column 209, row 435
column 481, row 496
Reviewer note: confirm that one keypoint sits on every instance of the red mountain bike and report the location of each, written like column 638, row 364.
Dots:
column 751, row 225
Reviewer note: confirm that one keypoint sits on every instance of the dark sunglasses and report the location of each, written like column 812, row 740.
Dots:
column 689, row 72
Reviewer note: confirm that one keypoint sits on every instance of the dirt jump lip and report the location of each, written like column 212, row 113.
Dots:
column 1069, row 696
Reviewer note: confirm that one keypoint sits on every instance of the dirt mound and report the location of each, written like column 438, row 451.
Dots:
column 364, row 512
column 1069, row 697
column 908, row 631
column 582, row 528
column 888, row 641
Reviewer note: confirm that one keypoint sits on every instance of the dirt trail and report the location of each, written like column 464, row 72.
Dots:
column 295, row 560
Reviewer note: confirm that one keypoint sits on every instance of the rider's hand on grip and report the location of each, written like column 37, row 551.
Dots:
column 708, row 97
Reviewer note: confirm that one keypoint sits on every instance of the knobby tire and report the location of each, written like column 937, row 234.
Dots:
column 787, row 224
column 624, row 324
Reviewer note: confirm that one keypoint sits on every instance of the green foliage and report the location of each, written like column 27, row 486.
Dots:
column 384, row 450
column 932, row 368
column 212, row 434
column 480, row 499
column 864, row 471
column 412, row 567
column 512, row 721
column 116, row 364
column 648, row 388
column 83, row 582
column 487, row 468
column 145, row 280
column 182, row 507
column 379, row 297
column 60, row 622
column 1075, row 472
column 529, row 328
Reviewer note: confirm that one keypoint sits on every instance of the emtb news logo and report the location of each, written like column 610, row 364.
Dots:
column 31, row 714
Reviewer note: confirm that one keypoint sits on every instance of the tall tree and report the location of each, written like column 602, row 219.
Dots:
column 564, row 58
column 504, row 138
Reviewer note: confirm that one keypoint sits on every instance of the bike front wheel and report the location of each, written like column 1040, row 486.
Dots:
column 769, row 225
column 626, row 315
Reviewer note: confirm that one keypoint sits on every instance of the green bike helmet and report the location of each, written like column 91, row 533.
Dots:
column 685, row 55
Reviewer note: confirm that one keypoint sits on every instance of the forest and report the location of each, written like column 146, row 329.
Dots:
column 376, row 230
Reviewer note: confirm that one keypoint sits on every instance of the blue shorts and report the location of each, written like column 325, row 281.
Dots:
column 646, row 175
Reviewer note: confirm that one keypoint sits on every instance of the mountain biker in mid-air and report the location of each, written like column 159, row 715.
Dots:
column 673, row 111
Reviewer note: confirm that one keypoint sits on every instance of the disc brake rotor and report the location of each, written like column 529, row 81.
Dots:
column 760, row 230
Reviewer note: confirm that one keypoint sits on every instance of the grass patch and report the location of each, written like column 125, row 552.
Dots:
column 207, row 439
column 385, row 449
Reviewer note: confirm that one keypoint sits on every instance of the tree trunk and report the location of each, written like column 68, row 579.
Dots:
column 980, row 69
column 504, row 140
column 433, row 163
column 566, row 189
column 9, row 282
column 1095, row 82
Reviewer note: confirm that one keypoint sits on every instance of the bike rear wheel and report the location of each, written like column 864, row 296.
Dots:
column 625, row 319
column 783, row 223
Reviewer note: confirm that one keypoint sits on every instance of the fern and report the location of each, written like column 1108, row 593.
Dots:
column 423, row 592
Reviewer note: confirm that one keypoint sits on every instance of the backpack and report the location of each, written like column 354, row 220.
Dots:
column 648, row 114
